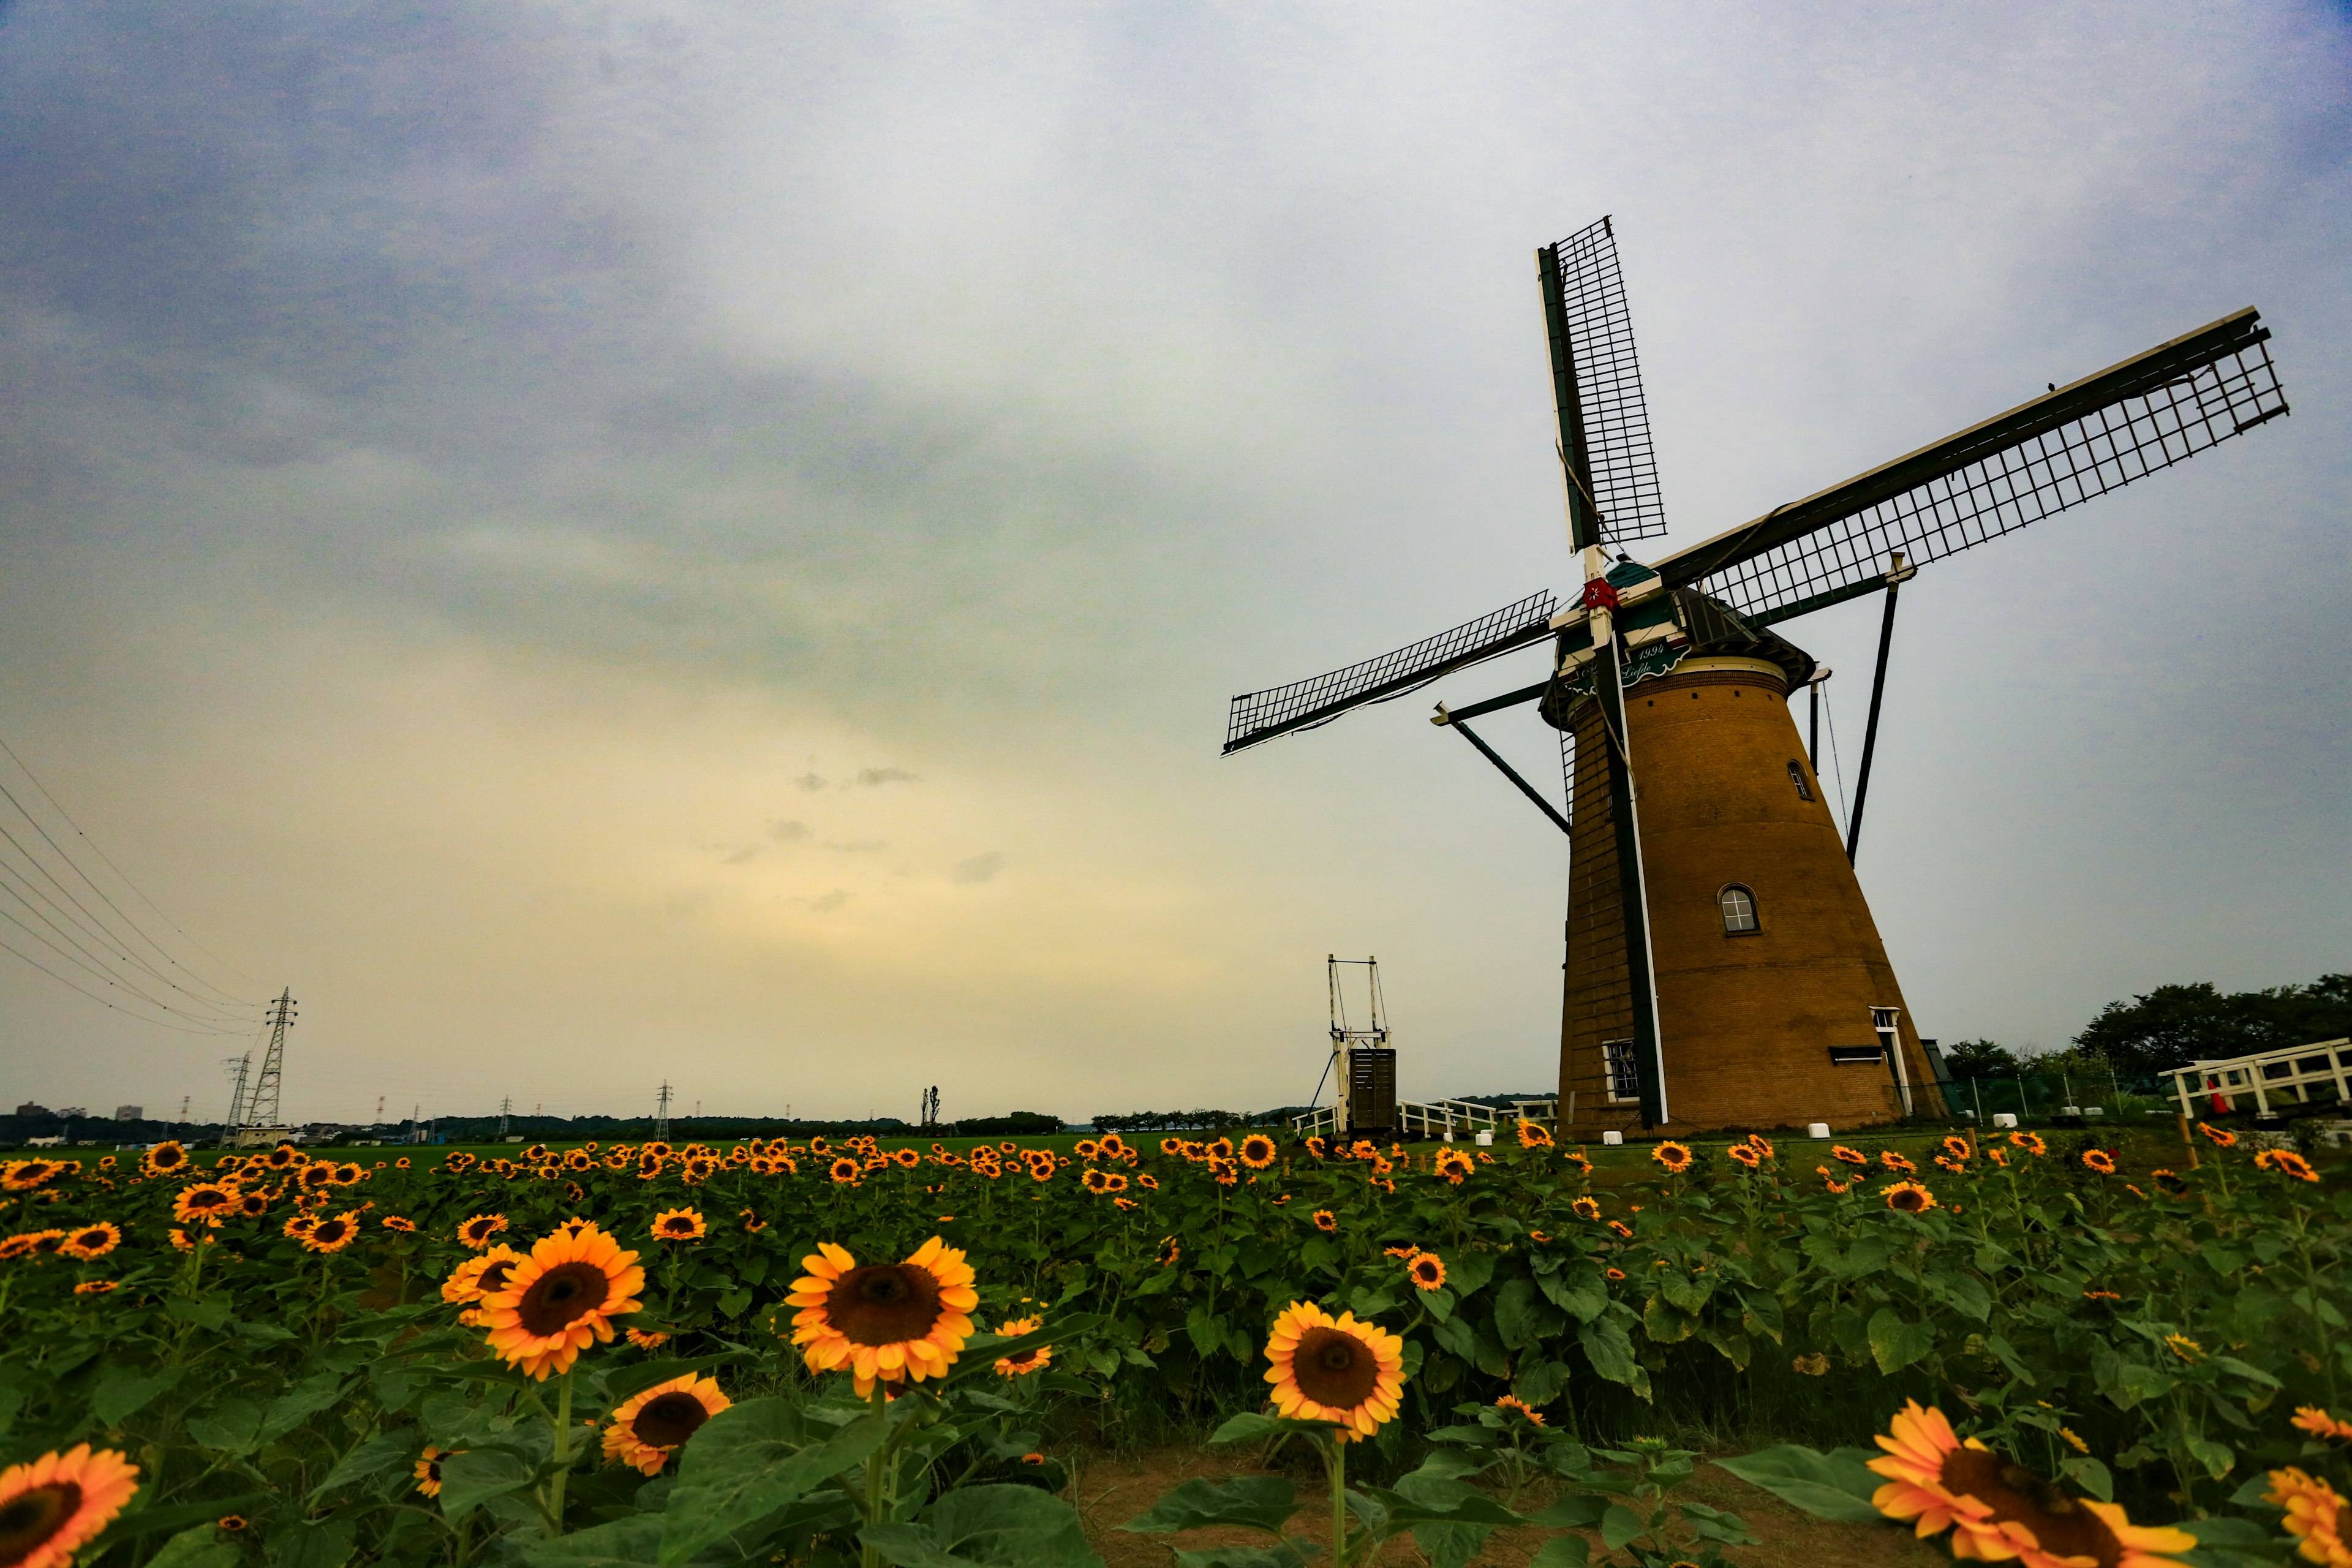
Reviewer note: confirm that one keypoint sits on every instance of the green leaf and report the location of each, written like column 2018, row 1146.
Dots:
column 1562, row 1551
column 988, row 1527
column 1287, row 1555
column 298, row 1403
column 1245, row 1503
column 732, row 1303
column 1367, row 1304
column 1467, row 1273
column 622, row 1385
column 473, row 1478
column 1207, row 1331
column 232, row 1426
column 1254, row 1428
column 123, row 1392
column 391, row 1451
column 1895, row 1344
column 633, row 1542
column 1836, row 1485
column 1579, row 1289
column 1664, row 1322
column 748, row 1462
column 201, row 1547
column 1466, row 1505
column 1572, row 1513
column 2216, row 1458
column 2090, row 1475
column 206, row 1312
column 1610, row 1349
column 1620, row 1525
column 1538, row 1382
column 322, row 1543
column 155, row 1521
column 1456, row 1336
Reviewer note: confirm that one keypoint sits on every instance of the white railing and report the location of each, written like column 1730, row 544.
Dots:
column 2289, row 1074
column 1438, row 1119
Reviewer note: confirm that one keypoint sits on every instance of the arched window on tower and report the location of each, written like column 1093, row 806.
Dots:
column 1739, row 911
column 1797, row 777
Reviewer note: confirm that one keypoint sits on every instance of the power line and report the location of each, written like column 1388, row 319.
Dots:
column 103, row 1002
column 100, row 851
column 96, row 966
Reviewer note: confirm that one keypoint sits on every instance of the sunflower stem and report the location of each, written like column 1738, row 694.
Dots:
column 1337, row 1465
column 563, row 1455
column 871, row 1556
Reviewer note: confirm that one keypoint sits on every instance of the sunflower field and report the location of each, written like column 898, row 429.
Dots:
column 827, row 1353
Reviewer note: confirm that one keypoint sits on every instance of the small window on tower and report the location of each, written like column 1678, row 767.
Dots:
column 1738, row 909
column 1797, row 777
column 1617, row 1068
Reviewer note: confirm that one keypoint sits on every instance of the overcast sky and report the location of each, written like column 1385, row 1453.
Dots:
column 705, row 541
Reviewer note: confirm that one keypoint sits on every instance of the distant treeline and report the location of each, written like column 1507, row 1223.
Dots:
column 1198, row 1121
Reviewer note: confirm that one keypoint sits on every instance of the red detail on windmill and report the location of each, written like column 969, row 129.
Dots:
column 1599, row 596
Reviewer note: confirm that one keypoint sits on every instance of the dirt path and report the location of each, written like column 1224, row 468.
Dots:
column 1112, row 1490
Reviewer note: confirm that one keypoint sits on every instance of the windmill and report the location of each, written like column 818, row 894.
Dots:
column 1718, row 942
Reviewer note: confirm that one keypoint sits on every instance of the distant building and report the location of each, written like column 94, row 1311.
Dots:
column 42, row 1142
column 73, row 1111
column 131, row 1114
column 29, row 1109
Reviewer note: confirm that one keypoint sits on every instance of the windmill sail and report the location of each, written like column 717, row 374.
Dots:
column 1303, row 704
column 2058, row 451
column 1597, row 385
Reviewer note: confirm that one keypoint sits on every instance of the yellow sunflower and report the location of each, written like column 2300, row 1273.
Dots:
column 429, row 1468
column 476, row 1232
column 2315, row 1515
column 1334, row 1369
column 2287, row 1162
column 886, row 1322
column 646, row 1339
column 1958, row 1148
column 477, row 1277
column 1586, row 1208
column 1534, row 1135
column 97, row 1287
column 1839, row 1151
column 1745, row 1155
column 1257, row 1152
column 1909, row 1196
column 649, row 1428
column 92, row 1241
column 1168, row 1251
column 845, row 1171
column 2001, row 1510
column 254, row 1205
column 677, row 1224
column 203, row 1201
column 53, row 1504
column 1676, row 1157
column 2221, row 1137
column 332, row 1233
column 1113, row 1147
column 2030, row 1142
column 1426, row 1270
column 2310, row 1418
column 1506, row 1403
column 1453, row 1165
column 1325, row 1220
column 1894, row 1161
column 1028, row 1361
column 561, row 1298
column 167, row 1159
column 2099, row 1160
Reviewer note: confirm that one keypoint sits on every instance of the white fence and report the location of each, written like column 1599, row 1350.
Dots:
column 1440, row 1119
column 2302, row 1075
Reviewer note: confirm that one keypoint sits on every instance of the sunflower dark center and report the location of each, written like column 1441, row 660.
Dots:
column 1334, row 1369
column 330, row 1230
column 31, row 1517
column 884, row 1303
column 91, row 1238
column 2062, row 1526
column 1906, row 1199
column 666, row 1422
column 562, row 1297
column 1020, row 1361
column 207, row 1198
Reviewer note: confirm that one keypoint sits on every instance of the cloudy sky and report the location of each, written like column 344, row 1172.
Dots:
column 711, row 542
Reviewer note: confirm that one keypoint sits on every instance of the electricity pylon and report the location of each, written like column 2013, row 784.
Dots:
column 661, row 1115
column 262, row 1110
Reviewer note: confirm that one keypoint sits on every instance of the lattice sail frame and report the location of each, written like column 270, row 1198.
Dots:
column 1616, row 418
column 2015, row 475
column 1303, row 704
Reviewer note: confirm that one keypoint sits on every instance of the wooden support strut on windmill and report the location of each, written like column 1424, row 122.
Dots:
column 1718, row 939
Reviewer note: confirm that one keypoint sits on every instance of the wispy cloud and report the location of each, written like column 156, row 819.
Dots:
column 884, row 775
column 979, row 868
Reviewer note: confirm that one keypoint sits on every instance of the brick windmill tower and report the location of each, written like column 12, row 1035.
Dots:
column 1723, row 967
